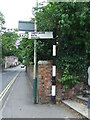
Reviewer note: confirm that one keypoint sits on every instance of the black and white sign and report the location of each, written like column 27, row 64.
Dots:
column 41, row 35
column 23, row 35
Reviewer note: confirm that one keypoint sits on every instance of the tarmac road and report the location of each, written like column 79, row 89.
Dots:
column 6, row 82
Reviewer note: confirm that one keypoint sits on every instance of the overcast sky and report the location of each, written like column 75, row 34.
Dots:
column 15, row 10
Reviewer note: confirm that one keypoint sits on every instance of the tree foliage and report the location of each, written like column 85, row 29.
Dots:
column 2, row 20
column 9, row 43
column 72, row 21
column 26, row 50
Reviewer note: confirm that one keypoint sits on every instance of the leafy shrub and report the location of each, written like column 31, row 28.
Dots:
column 68, row 80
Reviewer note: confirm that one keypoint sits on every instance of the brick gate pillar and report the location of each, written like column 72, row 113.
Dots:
column 44, row 81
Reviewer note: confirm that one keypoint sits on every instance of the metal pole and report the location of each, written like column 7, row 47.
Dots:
column 34, row 75
column 35, row 67
column 53, row 97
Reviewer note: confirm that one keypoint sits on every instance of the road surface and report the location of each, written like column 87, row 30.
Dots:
column 6, row 82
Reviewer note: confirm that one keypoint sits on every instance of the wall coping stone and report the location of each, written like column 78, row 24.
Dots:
column 44, row 62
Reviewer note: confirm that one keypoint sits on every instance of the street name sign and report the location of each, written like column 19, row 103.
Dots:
column 41, row 35
column 26, row 26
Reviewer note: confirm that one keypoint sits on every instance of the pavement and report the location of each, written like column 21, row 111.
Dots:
column 79, row 107
column 19, row 103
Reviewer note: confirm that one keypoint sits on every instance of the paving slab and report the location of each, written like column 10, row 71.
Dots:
column 83, row 98
column 79, row 107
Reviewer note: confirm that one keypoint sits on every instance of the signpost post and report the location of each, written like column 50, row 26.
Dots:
column 35, row 68
column 42, row 35
column 89, row 86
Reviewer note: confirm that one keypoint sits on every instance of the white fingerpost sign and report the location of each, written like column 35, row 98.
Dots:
column 41, row 35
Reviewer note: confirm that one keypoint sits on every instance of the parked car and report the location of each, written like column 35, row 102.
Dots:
column 22, row 66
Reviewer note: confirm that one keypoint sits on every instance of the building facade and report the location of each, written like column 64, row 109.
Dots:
column 11, row 61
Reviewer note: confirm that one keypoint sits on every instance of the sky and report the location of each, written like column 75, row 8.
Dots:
column 15, row 10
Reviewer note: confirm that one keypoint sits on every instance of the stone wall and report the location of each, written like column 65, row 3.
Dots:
column 70, row 93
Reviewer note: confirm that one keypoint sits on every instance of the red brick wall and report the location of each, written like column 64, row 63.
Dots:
column 29, row 70
column 44, row 83
column 44, row 79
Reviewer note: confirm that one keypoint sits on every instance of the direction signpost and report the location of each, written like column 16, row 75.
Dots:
column 37, row 35
column 29, row 27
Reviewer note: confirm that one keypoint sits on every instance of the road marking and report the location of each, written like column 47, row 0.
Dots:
column 8, row 87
